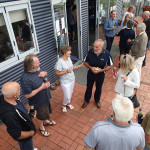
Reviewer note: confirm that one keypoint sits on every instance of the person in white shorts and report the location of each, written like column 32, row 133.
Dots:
column 64, row 68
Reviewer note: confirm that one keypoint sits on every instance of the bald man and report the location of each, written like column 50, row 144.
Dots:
column 14, row 115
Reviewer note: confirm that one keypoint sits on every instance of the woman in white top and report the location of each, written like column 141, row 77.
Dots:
column 130, row 12
column 64, row 68
column 128, row 77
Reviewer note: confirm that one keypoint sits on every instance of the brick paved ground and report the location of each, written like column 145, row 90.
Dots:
column 74, row 125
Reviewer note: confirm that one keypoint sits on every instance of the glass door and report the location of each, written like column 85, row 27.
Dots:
column 60, row 24
column 73, row 28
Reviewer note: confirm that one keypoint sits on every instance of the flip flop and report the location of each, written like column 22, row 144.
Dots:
column 44, row 133
column 50, row 123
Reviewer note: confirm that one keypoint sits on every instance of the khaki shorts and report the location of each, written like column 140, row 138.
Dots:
column 44, row 112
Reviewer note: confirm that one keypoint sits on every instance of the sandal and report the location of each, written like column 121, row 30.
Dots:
column 50, row 123
column 44, row 133
column 70, row 106
column 64, row 109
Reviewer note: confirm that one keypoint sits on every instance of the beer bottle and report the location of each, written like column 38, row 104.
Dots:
column 140, row 116
column 45, row 80
column 111, row 116
column 32, row 112
column 115, row 24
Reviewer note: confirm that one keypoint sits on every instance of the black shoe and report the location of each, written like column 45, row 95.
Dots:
column 98, row 105
column 84, row 104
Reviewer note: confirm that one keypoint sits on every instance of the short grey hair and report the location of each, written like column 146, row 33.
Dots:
column 141, row 26
column 101, row 41
column 123, row 108
column 130, row 23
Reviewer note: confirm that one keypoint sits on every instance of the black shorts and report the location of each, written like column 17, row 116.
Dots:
column 44, row 112
column 72, row 28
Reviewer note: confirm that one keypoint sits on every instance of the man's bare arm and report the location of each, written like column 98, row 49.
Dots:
column 87, row 148
column 34, row 92
column 26, row 134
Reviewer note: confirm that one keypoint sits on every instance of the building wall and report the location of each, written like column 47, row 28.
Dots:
column 42, row 17
column 43, row 22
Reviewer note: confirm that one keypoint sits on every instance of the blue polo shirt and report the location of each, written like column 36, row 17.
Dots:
column 107, row 135
column 101, row 61
column 29, row 82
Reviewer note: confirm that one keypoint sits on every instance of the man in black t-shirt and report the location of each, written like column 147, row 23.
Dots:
column 127, row 37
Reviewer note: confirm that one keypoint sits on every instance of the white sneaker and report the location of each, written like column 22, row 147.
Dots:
column 64, row 109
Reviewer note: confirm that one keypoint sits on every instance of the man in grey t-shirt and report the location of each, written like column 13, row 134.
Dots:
column 119, row 133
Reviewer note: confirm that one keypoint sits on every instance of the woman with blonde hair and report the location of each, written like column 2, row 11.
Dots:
column 125, row 16
column 124, row 23
column 128, row 77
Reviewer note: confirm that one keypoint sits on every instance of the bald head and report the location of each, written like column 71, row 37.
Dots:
column 11, row 90
column 146, row 15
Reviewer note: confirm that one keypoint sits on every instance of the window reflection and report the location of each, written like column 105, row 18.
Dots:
column 21, row 30
column 6, row 50
column 59, row 16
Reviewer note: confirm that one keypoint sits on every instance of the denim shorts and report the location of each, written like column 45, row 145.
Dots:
column 26, row 144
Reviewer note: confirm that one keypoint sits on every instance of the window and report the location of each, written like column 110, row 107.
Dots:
column 17, row 34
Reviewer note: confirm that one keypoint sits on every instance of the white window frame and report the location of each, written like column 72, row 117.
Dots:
column 11, row 60
column 5, row 8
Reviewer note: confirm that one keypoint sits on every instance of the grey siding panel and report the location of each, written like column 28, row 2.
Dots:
column 42, row 17
column 84, row 26
column 119, row 9
column 45, row 33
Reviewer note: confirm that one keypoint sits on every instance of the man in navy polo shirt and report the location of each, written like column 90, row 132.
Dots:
column 98, row 61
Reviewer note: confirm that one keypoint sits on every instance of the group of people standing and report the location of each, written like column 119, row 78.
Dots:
column 120, row 132
column 117, row 133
